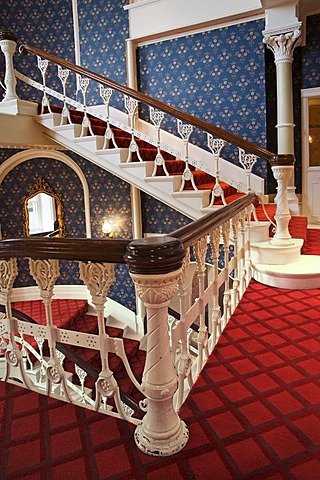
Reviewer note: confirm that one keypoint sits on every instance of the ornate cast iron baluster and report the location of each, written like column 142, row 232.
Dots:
column 45, row 273
column 225, row 232
column 216, row 311
column 82, row 376
column 200, row 254
column 242, row 267
column 157, row 117
column 247, row 160
column 40, row 342
column 216, row 145
column 235, row 295
column 131, row 106
column 43, row 65
column 63, row 74
column 185, row 130
column 180, row 331
column 13, row 355
column 248, row 211
column 105, row 94
column 98, row 278
column 86, row 124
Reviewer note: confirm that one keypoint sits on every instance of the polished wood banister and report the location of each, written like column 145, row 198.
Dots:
column 157, row 254
column 81, row 249
column 189, row 234
column 175, row 112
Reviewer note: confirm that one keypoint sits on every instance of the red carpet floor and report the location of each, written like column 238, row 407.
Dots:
column 254, row 412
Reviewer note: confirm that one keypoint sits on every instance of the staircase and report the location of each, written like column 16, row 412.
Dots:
column 193, row 197
column 72, row 314
column 165, row 182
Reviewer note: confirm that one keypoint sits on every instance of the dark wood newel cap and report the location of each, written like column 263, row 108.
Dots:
column 281, row 160
column 156, row 255
column 5, row 35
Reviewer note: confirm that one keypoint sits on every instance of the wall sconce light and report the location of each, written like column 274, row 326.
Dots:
column 108, row 229
column 310, row 139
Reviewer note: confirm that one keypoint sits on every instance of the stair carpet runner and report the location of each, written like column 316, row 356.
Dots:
column 71, row 314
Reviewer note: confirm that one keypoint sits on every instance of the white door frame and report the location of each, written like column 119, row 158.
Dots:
column 305, row 95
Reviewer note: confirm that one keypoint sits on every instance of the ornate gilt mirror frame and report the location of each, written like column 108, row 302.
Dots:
column 41, row 186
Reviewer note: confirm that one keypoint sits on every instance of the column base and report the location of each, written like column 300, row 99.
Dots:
column 18, row 107
column 161, row 447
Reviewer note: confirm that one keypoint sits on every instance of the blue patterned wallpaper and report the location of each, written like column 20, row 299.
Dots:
column 217, row 75
column 311, row 54
column 158, row 217
column 104, row 27
column 42, row 24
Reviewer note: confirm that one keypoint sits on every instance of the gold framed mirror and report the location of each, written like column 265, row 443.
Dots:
column 43, row 213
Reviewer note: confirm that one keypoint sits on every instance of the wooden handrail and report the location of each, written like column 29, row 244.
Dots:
column 141, row 97
column 81, row 249
column 188, row 234
column 157, row 254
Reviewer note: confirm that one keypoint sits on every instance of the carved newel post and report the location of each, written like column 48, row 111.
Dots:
column 8, row 43
column 155, row 267
column 282, row 167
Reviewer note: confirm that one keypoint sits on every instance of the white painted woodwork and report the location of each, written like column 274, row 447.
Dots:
column 310, row 174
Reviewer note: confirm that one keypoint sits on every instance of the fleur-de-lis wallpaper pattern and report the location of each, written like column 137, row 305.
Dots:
column 218, row 75
column 310, row 77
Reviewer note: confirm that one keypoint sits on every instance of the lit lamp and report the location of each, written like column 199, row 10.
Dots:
column 107, row 229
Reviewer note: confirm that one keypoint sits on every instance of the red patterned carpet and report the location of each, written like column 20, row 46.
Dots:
column 253, row 414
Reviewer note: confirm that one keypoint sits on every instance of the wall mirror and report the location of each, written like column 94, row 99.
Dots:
column 43, row 212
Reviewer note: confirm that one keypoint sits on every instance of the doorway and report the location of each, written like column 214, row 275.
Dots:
column 311, row 153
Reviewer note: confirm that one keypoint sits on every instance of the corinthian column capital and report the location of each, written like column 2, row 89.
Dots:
column 283, row 43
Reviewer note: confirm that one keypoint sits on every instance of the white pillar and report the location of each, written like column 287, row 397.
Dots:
column 8, row 43
column 282, row 43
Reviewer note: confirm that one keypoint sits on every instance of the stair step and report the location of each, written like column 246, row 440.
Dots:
column 174, row 166
column 135, row 356
column 203, row 181
column 66, row 312
column 198, row 198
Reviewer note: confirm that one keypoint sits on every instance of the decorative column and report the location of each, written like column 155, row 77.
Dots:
column 282, row 42
column 8, row 43
column 155, row 266
column 282, row 167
